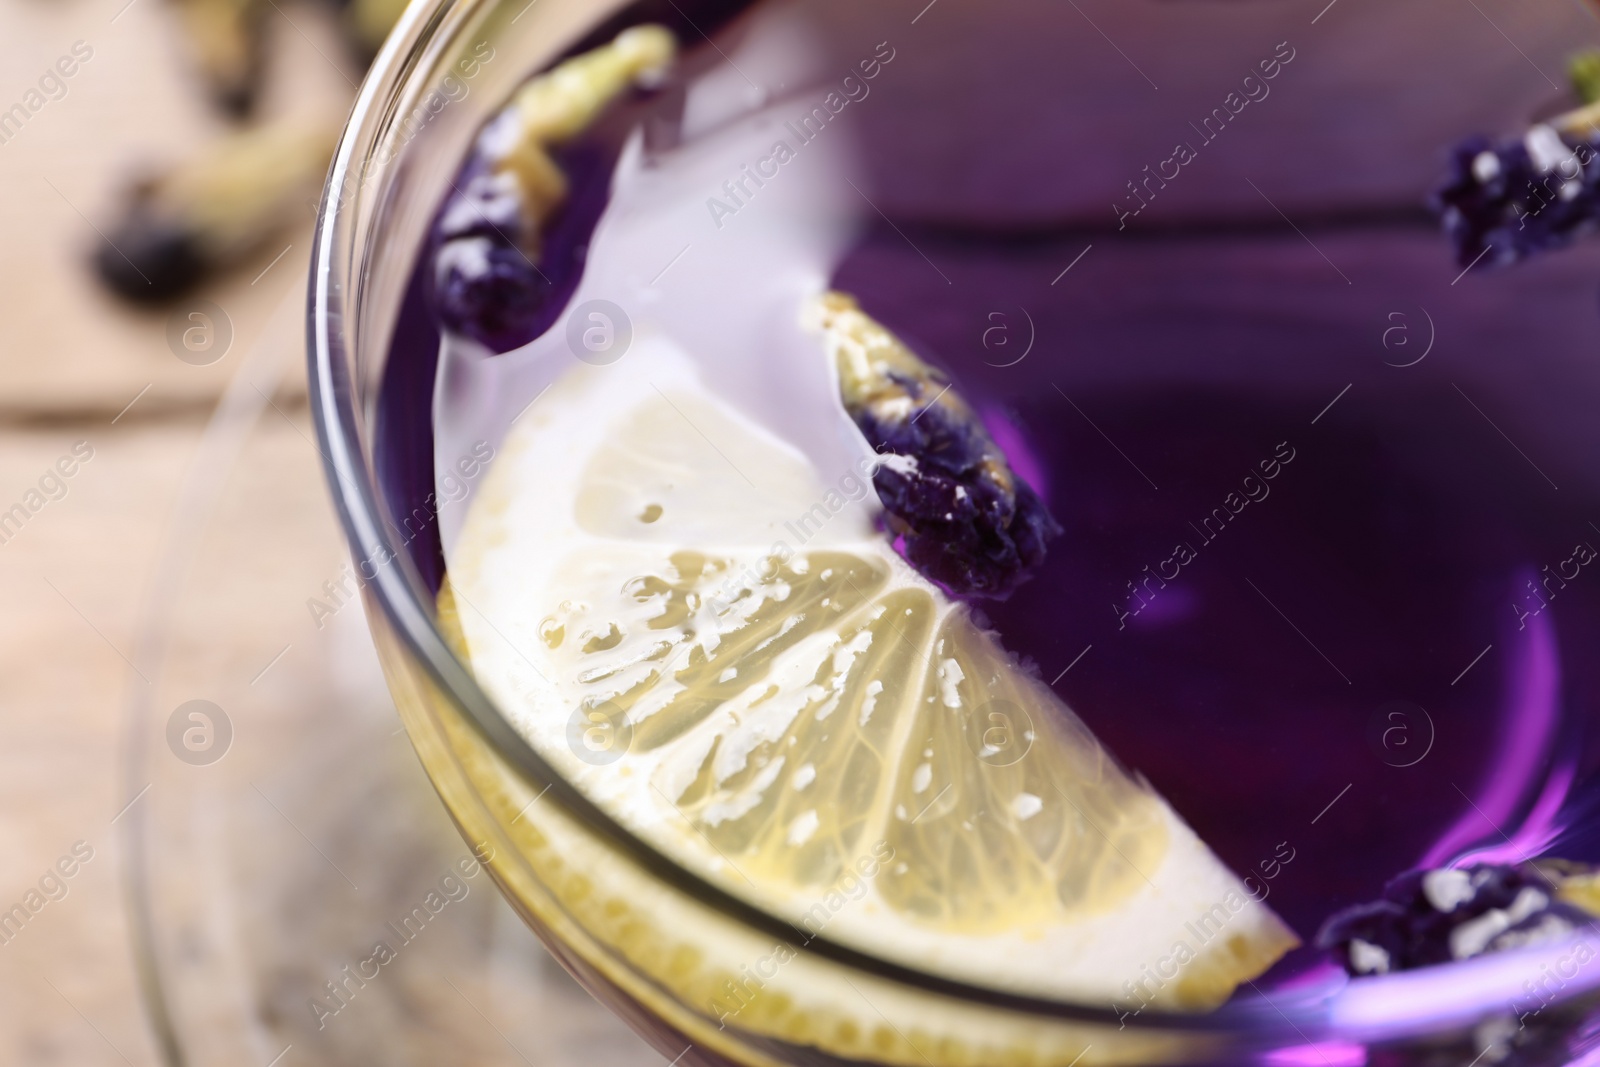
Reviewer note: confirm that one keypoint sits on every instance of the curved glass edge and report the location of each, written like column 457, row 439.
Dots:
column 347, row 298
column 221, row 443
column 590, row 902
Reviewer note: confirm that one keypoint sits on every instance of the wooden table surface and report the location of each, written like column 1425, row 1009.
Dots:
column 78, row 366
column 72, row 361
column 83, row 375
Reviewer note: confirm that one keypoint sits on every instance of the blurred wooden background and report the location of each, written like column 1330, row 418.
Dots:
column 76, row 365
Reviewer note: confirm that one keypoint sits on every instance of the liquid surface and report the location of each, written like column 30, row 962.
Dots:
column 1348, row 660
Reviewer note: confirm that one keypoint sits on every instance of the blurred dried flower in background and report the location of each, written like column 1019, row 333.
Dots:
column 188, row 220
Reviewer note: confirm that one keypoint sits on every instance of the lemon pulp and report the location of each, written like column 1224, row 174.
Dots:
column 708, row 637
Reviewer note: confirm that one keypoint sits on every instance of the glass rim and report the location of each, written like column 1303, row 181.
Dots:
column 1306, row 1014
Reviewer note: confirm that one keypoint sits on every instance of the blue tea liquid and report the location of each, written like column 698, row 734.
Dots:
column 1326, row 575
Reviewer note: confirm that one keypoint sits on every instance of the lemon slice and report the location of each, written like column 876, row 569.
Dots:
column 709, row 638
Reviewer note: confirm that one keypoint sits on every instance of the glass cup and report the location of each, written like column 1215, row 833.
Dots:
column 1237, row 241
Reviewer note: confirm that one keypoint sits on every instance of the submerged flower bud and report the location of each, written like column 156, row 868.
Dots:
column 966, row 520
column 1439, row 916
column 1502, row 202
column 500, row 265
